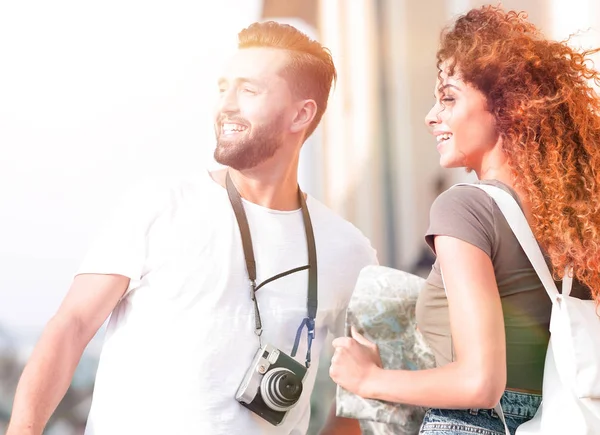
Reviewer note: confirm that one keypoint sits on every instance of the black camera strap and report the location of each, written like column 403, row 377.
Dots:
column 242, row 220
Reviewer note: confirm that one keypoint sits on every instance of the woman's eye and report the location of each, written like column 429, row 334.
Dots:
column 248, row 91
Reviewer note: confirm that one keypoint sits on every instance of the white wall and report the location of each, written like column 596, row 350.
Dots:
column 92, row 96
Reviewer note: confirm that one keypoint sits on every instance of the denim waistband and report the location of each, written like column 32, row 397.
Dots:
column 520, row 404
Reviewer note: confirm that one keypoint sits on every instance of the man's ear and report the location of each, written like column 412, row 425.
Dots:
column 306, row 110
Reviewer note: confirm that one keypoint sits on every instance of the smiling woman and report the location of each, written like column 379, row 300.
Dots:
column 518, row 110
column 513, row 107
column 465, row 130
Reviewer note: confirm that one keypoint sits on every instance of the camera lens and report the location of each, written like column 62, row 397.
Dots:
column 281, row 389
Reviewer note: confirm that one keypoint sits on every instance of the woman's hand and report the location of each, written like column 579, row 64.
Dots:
column 354, row 363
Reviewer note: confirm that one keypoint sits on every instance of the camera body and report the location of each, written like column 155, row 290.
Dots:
column 272, row 385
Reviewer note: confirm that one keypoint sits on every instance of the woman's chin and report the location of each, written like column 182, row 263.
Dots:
column 447, row 162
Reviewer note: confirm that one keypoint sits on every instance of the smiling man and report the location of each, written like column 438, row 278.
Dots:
column 222, row 287
column 251, row 116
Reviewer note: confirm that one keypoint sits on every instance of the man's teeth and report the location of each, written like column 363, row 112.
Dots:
column 233, row 128
column 444, row 136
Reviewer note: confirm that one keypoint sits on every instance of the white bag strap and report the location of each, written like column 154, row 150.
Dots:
column 520, row 227
column 498, row 409
column 522, row 231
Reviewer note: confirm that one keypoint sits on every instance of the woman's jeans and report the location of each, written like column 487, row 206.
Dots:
column 517, row 407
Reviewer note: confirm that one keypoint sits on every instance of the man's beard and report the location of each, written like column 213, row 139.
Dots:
column 250, row 151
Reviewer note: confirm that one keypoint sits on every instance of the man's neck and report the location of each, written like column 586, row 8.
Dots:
column 273, row 188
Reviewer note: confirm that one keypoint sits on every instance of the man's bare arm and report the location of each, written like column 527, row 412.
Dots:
column 48, row 373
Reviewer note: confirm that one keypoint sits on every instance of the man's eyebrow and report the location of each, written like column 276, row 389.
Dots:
column 248, row 80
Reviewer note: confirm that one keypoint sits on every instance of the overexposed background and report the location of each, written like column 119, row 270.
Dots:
column 93, row 96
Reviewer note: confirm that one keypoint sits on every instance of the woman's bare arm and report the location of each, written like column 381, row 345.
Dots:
column 477, row 377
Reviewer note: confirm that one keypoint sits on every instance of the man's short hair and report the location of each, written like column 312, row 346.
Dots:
column 310, row 71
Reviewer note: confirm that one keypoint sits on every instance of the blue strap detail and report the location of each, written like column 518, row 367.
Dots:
column 298, row 334
column 310, row 326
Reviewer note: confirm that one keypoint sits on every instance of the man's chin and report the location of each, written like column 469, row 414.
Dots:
column 242, row 155
column 236, row 162
column 225, row 142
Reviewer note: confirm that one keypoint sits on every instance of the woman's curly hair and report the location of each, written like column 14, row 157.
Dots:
column 548, row 114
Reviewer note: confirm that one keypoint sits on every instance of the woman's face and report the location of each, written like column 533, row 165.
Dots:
column 464, row 128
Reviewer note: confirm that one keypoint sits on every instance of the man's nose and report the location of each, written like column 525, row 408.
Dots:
column 228, row 101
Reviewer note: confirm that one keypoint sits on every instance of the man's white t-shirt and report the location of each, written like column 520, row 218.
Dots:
column 178, row 344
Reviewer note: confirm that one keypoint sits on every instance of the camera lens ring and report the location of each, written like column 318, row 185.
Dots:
column 281, row 389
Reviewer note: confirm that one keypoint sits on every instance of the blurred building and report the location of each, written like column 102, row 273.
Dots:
column 9, row 370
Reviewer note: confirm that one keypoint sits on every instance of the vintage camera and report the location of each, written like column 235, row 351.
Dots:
column 272, row 385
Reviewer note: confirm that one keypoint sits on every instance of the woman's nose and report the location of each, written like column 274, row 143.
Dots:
column 433, row 116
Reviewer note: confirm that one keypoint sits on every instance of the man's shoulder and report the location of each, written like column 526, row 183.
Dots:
column 327, row 218
column 339, row 231
column 158, row 189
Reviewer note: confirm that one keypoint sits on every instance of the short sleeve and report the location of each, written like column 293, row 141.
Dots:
column 363, row 255
column 338, row 328
column 463, row 212
column 120, row 247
